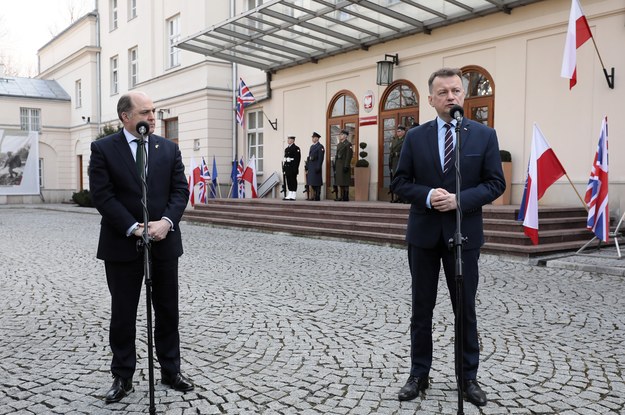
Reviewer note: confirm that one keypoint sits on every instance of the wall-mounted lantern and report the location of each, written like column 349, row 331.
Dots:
column 385, row 69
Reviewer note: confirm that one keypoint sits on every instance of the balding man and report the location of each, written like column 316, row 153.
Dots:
column 116, row 191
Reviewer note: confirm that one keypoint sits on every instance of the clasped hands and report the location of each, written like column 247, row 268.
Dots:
column 442, row 200
column 157, row 230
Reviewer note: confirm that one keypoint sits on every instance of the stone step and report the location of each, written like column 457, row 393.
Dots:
column 384, row 238
column 561, row 228
column 309, row 222
column 295, row 210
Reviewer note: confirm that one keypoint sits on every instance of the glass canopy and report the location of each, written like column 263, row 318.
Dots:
column 285, row 33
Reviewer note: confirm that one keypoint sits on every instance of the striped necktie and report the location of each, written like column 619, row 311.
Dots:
column 449, row 148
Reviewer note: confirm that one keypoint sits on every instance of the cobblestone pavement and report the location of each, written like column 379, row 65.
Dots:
column 276, row 324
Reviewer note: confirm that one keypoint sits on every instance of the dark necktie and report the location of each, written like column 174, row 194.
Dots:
column 140, row 156
column 449, row 148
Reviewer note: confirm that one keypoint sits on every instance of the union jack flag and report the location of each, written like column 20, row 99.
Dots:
column 245, row 98
column 205, row 177
column 597, row 191
column 240, row 181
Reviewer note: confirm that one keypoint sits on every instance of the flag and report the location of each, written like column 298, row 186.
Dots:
column 194, row 178
column 234, row 179
column 240, row 180
column 204, row 178
column 213, row 194
column 249, row 175
column 245, row 98
column 597, row 191
column 544, row 170
column 577, row 34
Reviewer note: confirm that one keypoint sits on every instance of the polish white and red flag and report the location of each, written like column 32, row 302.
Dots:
column 597, row 191
column 544, row 170
column 249, row 175
column 194, row 178
column 577, row 34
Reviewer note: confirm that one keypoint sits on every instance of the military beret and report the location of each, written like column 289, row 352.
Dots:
column 345, row 132
column 401, row 127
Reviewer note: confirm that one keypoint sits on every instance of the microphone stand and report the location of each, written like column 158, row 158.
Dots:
column 146, row 243
column 456, row 244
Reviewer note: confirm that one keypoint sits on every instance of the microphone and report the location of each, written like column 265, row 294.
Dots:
column 457, row 112
column 143, row 127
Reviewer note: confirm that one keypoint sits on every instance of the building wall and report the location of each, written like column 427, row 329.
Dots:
column 523, row 53
column 198, row 91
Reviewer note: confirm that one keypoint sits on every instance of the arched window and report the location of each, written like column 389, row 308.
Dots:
column 479, row 103
column 342, row 115
column 399, row 105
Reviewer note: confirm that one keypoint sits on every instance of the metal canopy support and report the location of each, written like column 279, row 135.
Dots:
column 284, row 33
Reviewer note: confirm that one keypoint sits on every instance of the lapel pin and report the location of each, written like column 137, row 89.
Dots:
column 156, row 146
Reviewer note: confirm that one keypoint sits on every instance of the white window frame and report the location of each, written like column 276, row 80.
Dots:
column 114, row 14
column 132, row 9
column 173, row 35
column 257, row 131
column 30, row 119
column 133, row 67
column 78, row 93
column 114, row 75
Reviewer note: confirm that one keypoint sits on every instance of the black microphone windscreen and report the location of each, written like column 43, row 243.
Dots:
column 456, row 112
column 143, row 127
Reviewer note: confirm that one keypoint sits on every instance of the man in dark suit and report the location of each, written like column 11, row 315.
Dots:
column 429, row 184
column 115, row 188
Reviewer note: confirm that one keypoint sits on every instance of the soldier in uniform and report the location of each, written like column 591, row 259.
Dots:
column 342, row 165
column 393, row 156
column 290, row 166
column 316, row 156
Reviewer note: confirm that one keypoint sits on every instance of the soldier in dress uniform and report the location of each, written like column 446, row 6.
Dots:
column 393, row 157
column 316, row 156
column 290, row 167
column 342, row 165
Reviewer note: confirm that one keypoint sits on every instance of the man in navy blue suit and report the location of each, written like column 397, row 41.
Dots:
column 429, row 184
column 115, row 188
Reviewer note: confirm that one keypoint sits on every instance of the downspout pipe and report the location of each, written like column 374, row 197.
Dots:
column 98, row 68
column 235, row 127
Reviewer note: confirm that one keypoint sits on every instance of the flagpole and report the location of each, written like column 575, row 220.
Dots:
column 218, row 188
column 609, row 78
column 578, row 195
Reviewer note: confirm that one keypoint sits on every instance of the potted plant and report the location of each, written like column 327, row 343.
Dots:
column 362, row 175
column 506, row 165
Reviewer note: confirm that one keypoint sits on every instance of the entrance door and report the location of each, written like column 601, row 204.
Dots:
column 399, row 106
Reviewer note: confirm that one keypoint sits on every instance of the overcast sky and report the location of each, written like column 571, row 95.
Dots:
column 27, row 25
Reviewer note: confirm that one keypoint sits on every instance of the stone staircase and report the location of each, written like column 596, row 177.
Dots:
column 561, row 228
